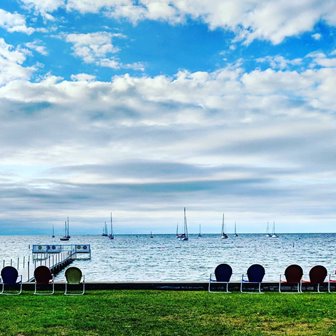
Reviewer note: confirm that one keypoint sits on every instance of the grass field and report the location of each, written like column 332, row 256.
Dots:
column 168, row 313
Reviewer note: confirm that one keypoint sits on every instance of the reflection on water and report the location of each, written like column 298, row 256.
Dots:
column 140, row 258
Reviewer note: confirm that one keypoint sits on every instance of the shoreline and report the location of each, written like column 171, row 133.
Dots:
column 184, row 286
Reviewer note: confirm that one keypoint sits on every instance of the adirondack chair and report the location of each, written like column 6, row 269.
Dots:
column 43, row 279
column 9, row 280
column 317, row 276
column 74, row 277
column 222, row 275
column 254, row 275
column 293, row 276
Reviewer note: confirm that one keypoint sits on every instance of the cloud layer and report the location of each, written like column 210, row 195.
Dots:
column 91, row 120
column 256, row 19
column 255, row 143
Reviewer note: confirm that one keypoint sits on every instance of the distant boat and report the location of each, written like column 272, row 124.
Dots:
column 111, row 235
column 53, row 232
column 184, row 235
column 66, row 231
column 199, row 232
column 151, row 235
column 274, row 235
column 267, row 231
column 235, row 230
column 223, row 234
column 104, row 234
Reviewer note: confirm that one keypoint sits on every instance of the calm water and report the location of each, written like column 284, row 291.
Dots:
column 140, row 258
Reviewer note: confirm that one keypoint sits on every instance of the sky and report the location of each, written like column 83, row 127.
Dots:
column 143, row 107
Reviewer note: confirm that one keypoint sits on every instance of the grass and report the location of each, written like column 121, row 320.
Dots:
column 168, row 313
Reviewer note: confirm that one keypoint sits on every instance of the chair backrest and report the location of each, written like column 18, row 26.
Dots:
column 73, row 275
column 255, row 273
column 223, row 272
column 42, row 275
column 9, row 275
column 293, row 273
column 318, row 274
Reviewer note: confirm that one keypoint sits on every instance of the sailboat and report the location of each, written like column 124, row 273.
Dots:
column 66, row 231
column 267, row 231
column 199, row 233
column 151, row 235
column 223, row 234
column 104, row 234
column 184, row 235
column 111, row 235
column 235, row 230
column 53, row 232
column 274, row 235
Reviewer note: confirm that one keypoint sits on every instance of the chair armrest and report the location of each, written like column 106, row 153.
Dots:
column 330, row 278
column 211, row 277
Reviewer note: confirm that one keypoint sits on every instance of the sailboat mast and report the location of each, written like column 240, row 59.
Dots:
column 185, row 223
column 112, row 236
column 223, row 234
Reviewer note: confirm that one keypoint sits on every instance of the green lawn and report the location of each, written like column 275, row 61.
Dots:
column 168, row 313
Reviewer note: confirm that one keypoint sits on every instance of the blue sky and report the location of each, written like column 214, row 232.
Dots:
column 144, row 107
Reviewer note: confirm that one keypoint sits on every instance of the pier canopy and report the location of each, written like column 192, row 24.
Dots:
column 77, row 251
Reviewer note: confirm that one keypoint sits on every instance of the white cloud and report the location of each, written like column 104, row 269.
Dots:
column 43, row 7
column 83, row 77
column 87, row 6
column 93, row 46
column 11, row 60
column 317, row 36
column 321, row 59
column 279, row 62
column 97, row 48
column 38, row 47
column 254, row 19
column 14, row 22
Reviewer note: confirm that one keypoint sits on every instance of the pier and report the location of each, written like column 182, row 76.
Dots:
column 57, row 256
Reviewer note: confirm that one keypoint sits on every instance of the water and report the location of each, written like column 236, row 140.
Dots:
column 164, row 258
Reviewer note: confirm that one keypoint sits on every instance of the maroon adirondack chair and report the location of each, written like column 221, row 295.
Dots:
column 293, row 276
column 43, row 278
column 317, row 276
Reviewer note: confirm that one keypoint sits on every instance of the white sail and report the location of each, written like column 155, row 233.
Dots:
column 111, row 235
column 235, row 230
column 274, row 235
column 223, row 234
column 184, row 235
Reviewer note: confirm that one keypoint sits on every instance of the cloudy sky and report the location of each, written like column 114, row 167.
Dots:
column 142, row 107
